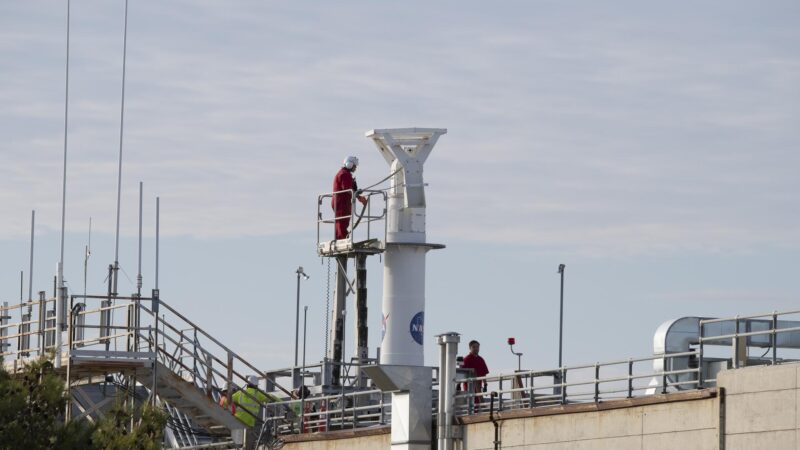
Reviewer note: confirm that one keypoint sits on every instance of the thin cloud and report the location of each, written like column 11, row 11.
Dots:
column 601, row 137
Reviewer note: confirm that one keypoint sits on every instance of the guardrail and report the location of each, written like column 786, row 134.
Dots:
column 127, row 324
column 741, row 332
column 117, row 326
column 573, row 384
column 359, row 221
column 347, row 410
column 33, row 335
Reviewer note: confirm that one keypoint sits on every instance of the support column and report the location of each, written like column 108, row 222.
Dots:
column 361, row 345
column 337, row 318
column 411, row 388
column 362, row 350
column 448, row 350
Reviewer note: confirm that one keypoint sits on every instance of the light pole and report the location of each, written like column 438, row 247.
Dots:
column 299, row 273
column 561, row 268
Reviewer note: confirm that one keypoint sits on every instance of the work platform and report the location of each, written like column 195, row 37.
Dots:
column 346, row 247
column 138, row 349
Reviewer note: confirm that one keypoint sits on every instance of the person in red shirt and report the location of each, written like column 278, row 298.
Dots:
column 342, row 202
column 478, row 365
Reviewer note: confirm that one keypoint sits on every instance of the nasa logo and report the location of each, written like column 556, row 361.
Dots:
column 417, row 327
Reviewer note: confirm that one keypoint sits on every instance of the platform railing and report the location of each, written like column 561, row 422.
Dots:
column 363, row 219
column 347, row 410
column 572, row 384
column 768, row 330
column 27, row 329
column 127, row 327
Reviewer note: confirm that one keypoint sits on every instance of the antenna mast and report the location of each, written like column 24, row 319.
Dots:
column 139, row 276
column 30, row 270
column 158, row 218
column 87, row 254
column 60, row 269
column 121, row 129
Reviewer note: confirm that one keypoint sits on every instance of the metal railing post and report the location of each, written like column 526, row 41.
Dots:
column 700, row 372
column 195, row 357
column 209, row 382
column 499, row 393
column 155, row 331
column 471, row 397
column 382, row 418
column 630, row 377
column 42, row 322
column 128, row 326
column 341, row 422
column 563, row 385
column 596, row 382
column 229, row 376
column 531, row 391
column 327, row 415
column 774, row 337
column 355, row 409
column 4, row 318
column 735, row 344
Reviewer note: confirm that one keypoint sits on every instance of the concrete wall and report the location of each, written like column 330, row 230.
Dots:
column 346, row 441
column 761, row 407
column 684, row 425
column 755, row 408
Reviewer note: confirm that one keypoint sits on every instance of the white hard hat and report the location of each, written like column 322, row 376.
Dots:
column 350, row 162
column 252, row 380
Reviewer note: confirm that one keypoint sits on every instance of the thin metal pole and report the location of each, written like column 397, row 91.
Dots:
column 60, row 268
column 158, row 218
column 66, row 123
column 121, row 129
column 87, row 253
column 297, row 318
column 21, row 290
column 139, row 276
column 561, row 268
column 302, row 372
column 30, row 269
column 156, row 294
column 305, row 322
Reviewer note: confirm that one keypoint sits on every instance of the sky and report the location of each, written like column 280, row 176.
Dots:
column 650, row 147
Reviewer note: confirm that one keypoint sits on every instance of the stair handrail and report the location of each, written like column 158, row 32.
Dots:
column 211, row 338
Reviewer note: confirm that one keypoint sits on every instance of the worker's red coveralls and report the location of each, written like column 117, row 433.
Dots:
column 342, row 202
column 476, row 363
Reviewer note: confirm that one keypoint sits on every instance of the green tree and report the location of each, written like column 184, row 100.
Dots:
column 32, row 405
column 114, row 431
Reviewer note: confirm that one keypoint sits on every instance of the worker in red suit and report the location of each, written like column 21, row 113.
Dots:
column 342, row 202
column 478, row 365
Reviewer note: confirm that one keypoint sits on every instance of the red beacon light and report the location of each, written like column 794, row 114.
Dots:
column 511, row 341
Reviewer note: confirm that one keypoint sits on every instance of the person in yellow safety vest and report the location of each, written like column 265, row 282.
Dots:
column 248, row 402
column 301, row 394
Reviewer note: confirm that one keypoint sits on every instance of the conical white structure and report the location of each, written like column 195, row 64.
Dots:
column 403, row 320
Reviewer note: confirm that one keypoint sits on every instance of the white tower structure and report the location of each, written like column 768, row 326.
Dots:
column 405, row 149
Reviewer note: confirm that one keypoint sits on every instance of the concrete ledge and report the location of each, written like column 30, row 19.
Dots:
column 339, row 434
column 591, row 407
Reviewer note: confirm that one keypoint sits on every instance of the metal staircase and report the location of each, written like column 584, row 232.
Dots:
column 140, row 342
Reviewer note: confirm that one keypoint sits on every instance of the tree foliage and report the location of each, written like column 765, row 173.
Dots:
column 32, row 406
column 114, row 432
